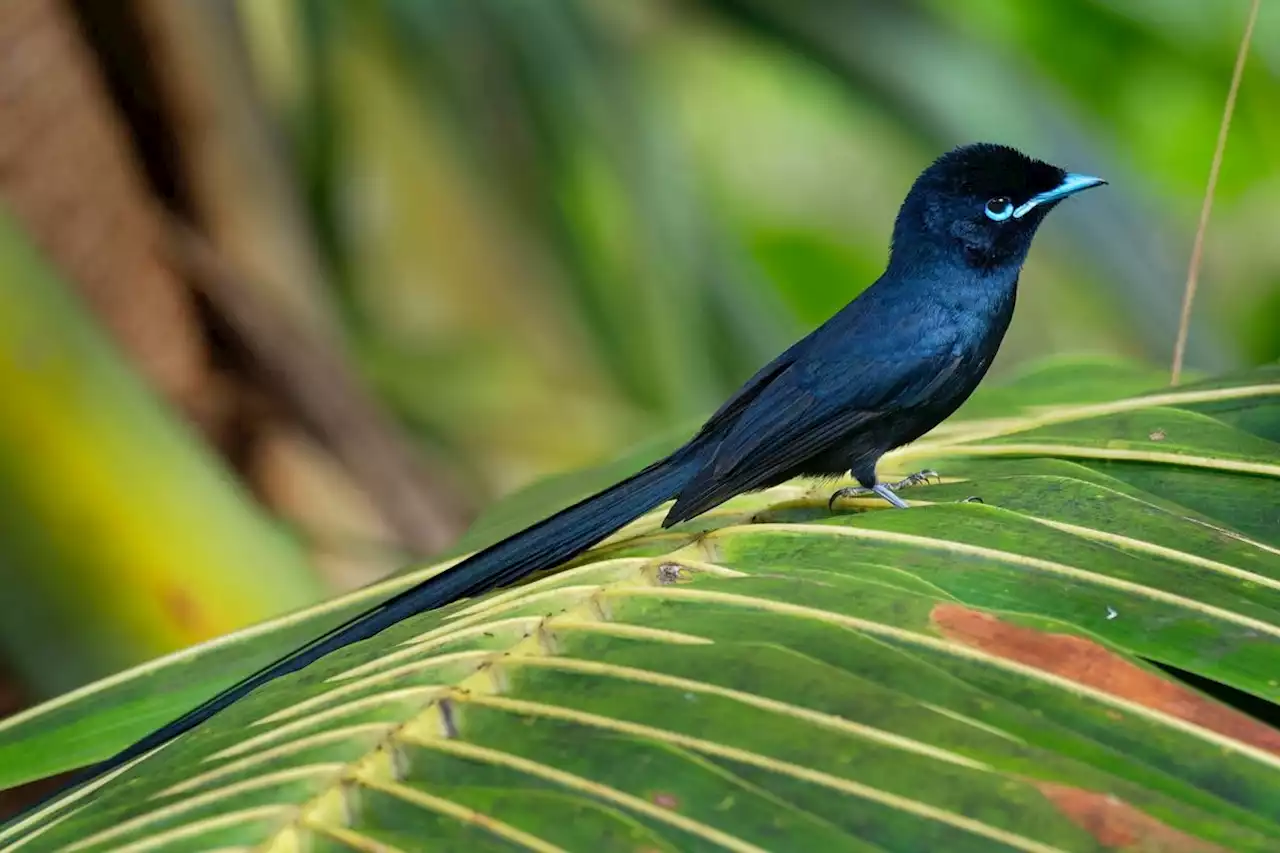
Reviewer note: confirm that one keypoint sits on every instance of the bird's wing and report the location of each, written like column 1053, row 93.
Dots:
column 806, row 409
column 729, row 411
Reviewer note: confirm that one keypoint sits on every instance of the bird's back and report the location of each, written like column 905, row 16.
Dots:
column 890, row 366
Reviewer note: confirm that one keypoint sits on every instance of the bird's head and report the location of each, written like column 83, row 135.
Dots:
column 981, row 204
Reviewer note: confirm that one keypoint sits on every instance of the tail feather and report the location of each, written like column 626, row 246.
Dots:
column 542, row 546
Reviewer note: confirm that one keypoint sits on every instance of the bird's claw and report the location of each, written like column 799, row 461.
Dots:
column 916, row 479
column 846, row 492
column 860, row 491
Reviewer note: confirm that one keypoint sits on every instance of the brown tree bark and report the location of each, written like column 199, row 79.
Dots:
column 69, row 174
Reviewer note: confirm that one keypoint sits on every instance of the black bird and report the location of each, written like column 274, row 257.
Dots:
column 882, row 372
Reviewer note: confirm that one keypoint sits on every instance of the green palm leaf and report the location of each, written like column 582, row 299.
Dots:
column 961, row 677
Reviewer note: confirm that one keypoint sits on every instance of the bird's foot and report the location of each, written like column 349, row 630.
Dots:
column 916, row 479
column 846, row 492
column 884, row 490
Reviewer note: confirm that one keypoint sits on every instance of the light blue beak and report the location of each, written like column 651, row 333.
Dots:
column 1070, row 185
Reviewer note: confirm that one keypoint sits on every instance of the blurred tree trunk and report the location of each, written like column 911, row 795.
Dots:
column 134, row 155
column 89, row 461
column 68, row 173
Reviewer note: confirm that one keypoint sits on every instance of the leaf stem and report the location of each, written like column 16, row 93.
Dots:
column 1197, row 247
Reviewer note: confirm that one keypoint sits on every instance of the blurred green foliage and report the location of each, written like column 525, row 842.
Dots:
column 561, row 226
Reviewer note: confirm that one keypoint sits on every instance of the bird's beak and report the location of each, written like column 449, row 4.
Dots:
column 1071, row 184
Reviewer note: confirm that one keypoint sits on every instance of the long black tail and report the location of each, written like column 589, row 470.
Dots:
column 542, row 546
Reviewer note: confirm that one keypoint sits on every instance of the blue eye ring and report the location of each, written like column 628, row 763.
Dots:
column 998, row 209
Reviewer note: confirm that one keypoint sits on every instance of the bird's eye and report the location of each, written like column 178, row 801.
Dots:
column 999, row 209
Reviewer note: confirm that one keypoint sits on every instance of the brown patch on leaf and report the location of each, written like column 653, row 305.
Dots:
column 669, row 573
column 665, row 800
column 1085, row 662
column 1115, row 823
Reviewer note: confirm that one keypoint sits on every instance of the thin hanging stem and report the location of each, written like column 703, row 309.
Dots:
column 1197, row 247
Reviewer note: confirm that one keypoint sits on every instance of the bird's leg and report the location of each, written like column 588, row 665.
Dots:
column 884, row 490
